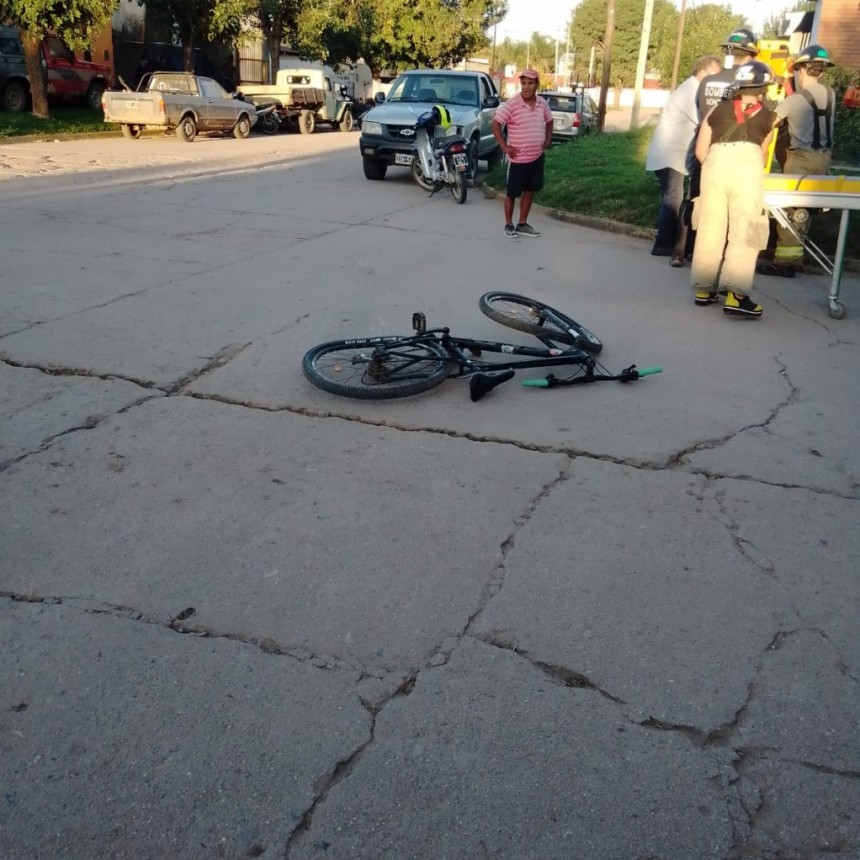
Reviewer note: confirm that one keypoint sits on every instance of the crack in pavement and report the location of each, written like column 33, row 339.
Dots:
column 229, row 352
column 716, row 442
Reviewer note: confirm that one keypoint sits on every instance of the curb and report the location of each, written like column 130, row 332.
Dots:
column 610, row 226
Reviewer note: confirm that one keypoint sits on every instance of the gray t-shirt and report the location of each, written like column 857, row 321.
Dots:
column 800, row 117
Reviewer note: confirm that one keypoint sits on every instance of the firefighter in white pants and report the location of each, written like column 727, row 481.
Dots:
column 730, row 214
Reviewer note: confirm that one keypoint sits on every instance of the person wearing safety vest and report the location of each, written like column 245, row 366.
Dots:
column 806, row 117
column 730, row 214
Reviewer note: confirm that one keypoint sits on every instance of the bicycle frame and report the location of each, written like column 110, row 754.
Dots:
column 390, row 366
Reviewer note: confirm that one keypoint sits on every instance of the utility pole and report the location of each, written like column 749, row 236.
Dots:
column 607, row 61
column 493, row 60
column 678, row 44
column 640, row 65
column 567, row 53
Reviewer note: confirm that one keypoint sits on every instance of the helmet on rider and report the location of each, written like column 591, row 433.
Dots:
column 814, row 58
column 742, row 40
column 752, row 78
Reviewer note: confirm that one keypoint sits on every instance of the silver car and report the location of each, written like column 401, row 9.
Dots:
column 573, row 114
column 388, row 130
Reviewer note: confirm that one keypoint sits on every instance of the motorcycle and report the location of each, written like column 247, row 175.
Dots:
column 267, row 114
column 267, row 118
column 435, row 162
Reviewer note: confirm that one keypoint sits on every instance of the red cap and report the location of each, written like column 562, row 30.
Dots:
column 530, row 73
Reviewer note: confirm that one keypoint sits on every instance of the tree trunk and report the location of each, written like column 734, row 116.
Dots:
column 188, row 55
column 36, row 73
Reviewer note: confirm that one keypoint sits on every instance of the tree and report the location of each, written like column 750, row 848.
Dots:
column 74, row 21
column 397, row 34
column 277, row 19
column 704, row 28
column 196, row 21
column 537, row 52
column 588, row 25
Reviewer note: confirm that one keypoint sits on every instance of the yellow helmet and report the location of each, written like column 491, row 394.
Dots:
column 442, row 116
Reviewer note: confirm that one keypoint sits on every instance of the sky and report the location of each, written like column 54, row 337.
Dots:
column 550, row 17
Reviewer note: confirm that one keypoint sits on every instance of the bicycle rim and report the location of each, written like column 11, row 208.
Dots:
column 529, row 315
column 376, row 368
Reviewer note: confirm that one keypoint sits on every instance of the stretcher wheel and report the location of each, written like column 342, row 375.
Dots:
column 837, row 310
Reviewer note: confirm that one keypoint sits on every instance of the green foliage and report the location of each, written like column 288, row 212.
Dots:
column 846, row 123
column 75, row 21
column 394, row 34
column 588, row 27
column 704, row 28
column 277, row 19
column 537, row 52
column 196, row 21
column 65, row 121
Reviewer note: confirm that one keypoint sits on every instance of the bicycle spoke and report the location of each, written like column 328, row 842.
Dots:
column 373, row 369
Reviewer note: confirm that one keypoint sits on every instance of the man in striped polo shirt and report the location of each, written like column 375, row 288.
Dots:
column 529, row 132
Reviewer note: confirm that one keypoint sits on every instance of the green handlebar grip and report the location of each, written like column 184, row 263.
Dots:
column 647, row 371
column 536, row 383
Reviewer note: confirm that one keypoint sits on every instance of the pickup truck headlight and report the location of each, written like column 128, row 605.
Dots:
column 372, row 128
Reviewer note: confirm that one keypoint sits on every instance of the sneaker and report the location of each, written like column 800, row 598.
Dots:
column 527, row 230
column 703, row 297
column 661, row 251
column 742, row 306
column 677, row 261
column 510, row 231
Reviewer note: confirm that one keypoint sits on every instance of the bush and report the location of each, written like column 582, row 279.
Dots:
column 846, row 123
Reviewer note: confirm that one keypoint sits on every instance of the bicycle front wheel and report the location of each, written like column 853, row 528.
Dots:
column 376, row 368
column 532, row 316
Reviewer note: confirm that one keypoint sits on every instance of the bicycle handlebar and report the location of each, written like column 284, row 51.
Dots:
column 629, row 374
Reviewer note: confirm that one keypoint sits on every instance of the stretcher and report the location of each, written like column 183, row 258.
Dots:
column 785, row 191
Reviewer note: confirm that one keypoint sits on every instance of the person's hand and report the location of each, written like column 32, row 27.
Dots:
column 511, row 151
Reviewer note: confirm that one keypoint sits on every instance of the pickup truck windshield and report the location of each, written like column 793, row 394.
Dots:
column 444, row 89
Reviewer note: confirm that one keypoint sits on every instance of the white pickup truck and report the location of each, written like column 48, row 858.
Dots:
column 305, row 95
column 180, row 102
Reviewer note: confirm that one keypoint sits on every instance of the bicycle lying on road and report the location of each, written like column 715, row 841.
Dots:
column 389, row 366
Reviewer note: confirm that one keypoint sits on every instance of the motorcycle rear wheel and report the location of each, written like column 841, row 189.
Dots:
column 459, row 188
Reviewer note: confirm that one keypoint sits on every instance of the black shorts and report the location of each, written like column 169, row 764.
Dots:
column 525, row 177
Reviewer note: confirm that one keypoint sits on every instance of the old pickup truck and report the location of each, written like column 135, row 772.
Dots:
column 180, row 102
column 306, row 96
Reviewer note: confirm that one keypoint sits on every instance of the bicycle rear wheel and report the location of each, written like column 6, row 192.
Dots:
column 530, row 315
column 376, row 368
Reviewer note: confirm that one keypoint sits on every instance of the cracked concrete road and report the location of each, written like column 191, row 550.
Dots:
column 243, row 618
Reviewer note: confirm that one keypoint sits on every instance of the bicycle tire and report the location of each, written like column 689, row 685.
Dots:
column 521, row 313
column 376, row 368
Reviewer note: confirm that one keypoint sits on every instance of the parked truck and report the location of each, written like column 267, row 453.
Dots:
column 306, row 96
column 66, row 76
column 180, row 102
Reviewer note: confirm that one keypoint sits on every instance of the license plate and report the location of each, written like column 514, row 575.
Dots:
column 403, row 158
column 460, row 159
column 558, row 123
